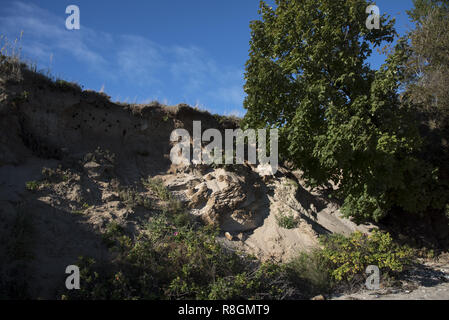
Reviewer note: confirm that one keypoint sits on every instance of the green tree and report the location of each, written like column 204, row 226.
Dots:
column 340, row 121
column 426, row 86
column 423, row 8
column 428, row 63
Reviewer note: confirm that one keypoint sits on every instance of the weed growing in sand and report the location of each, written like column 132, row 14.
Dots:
column 32, row 185
column 292, row 183
column 49, row 176
column 132, row 199
column 171, row 206
column 84, row 207
column 157, row 186
column 286, row 221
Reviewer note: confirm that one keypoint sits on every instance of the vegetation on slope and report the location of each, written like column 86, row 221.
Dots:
column 175, row 257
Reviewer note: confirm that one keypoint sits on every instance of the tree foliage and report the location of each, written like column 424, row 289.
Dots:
column 340, row 121
column 428, row 63
column 423, row 8
column 426, row 86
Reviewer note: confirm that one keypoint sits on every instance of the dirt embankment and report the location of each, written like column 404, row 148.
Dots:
column 72, row 162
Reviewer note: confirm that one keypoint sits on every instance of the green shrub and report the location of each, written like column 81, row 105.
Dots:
column 342, row 262
column 350, row 256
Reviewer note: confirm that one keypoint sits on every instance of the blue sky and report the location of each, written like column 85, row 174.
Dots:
column 173, row 51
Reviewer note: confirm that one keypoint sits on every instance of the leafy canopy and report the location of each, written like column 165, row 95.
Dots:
column 340, row 121
column 423, row 8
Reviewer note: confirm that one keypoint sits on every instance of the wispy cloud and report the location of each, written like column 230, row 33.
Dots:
column 167, row 70
column 47, row 33
column 139, row 59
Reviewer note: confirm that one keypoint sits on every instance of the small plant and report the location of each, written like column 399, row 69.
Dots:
column 82, row 211
column 292, row 183
column 132, row 199
column 157, row 186
column 113, row 232
column 24, row 96
column 84, row 207
column 32, row 185
column 78, row 212
column 286, row 221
